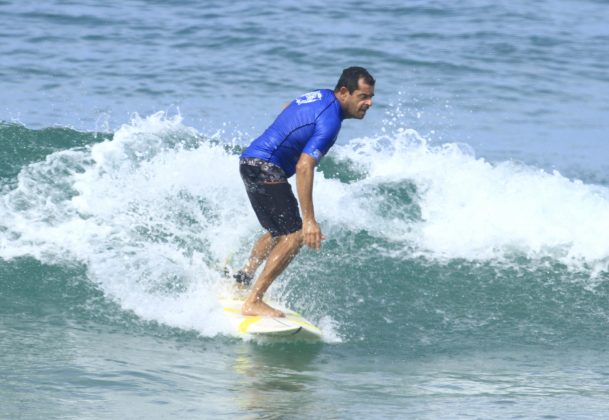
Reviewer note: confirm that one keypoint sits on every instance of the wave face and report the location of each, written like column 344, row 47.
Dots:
column 428, row 246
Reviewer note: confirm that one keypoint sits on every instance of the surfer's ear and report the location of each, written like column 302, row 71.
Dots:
column 342, row 94
column 343, row 91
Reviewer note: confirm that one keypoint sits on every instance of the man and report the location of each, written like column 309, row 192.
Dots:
column 300, row 136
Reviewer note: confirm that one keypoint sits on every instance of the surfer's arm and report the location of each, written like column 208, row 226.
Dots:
column 305, row 169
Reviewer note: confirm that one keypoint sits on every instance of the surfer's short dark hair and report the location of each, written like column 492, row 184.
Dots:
column 351, row 76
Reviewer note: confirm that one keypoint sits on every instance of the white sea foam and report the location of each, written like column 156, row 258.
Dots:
column 476, row 210
column 148, row 214
column 155, row 211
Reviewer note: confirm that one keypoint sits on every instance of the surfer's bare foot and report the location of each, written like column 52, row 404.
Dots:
column 260, row 308
column 240, row 287
column 240, row 292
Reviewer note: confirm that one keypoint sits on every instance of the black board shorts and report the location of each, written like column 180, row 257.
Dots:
column 271, row 196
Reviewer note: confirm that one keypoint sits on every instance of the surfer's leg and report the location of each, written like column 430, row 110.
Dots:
column 261, row 250
column 281, row 255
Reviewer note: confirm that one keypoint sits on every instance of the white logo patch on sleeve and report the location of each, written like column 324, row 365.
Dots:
column 309, row 97
column 317, row 154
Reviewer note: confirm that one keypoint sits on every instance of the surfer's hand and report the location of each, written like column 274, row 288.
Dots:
column 311, row 234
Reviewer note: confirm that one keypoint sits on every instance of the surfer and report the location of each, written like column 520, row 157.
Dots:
column 296, row 141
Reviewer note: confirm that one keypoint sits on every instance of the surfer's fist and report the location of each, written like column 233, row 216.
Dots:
column 311, row 234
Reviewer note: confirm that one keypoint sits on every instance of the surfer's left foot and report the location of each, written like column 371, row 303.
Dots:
column 239, row 291
column 259, row 308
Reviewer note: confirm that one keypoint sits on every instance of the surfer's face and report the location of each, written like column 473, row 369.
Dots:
column 355, row 105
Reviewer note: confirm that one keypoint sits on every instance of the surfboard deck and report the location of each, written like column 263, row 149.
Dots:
column 292, row 326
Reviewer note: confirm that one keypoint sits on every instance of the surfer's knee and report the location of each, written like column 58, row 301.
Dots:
column 295, row 240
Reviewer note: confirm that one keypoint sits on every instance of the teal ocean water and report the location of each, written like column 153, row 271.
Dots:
column 465, row 272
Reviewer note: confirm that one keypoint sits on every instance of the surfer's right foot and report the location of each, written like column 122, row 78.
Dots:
column 259, row 308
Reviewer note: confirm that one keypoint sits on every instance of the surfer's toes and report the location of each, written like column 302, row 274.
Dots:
column 277, row 313
column 260, row 309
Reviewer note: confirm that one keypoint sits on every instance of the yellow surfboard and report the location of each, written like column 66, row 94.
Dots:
column 293, row 325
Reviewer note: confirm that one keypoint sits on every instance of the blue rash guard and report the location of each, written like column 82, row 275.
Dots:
column 310, row 124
